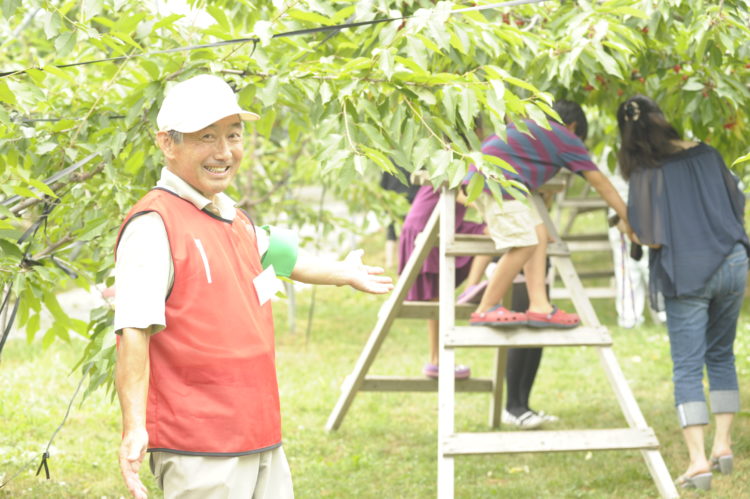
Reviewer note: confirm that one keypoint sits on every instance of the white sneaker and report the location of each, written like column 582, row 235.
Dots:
column 526, row 421
column 548, row 418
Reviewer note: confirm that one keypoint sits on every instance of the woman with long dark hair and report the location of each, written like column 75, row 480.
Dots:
column 686, row 206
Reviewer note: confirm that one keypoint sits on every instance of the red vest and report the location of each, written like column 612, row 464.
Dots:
column 212, row 387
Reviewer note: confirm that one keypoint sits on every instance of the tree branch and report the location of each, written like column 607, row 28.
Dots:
column 64, row 241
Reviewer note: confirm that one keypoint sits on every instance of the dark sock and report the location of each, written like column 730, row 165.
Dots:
column 522, row 364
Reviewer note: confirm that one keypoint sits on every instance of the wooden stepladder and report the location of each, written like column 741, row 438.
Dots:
column 637, row 436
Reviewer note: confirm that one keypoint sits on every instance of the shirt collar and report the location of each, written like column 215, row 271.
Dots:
column 222, row 205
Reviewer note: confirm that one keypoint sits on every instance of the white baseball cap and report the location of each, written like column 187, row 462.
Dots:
column 193, row 104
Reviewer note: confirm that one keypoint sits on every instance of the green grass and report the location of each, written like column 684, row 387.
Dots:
column 387, row 445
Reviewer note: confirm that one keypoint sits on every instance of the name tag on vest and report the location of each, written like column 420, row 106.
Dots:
column 266, row 284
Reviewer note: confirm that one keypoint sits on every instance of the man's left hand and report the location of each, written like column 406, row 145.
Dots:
column 365, row 277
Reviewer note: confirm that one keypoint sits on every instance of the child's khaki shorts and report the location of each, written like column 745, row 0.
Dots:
column 511, row 225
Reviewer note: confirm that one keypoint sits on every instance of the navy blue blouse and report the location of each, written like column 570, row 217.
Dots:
column 692, row 206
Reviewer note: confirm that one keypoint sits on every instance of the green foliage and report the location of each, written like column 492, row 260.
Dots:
column 337, row 106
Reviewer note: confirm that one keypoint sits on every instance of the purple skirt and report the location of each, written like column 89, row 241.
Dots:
column 425, row 287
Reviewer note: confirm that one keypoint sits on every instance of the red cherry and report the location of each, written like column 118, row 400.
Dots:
column 677, row 68
column 589, row 87
column 645, row 29
column 730, row 125
column 620, row 92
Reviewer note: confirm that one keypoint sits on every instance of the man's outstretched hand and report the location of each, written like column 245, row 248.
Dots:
column 365, row 277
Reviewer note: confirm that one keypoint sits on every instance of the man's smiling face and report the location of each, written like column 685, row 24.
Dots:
column 207, row 159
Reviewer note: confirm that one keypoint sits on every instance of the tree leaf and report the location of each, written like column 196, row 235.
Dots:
column 43, row 188
column 219, row 16
column 475, row 188
column 693, row 84
column 741, row 159
column 6, row 95
column 468, row 107
column 167, row 21
column 630, row 11
column 270, row 92
column 379, row 159
column 385, row 62
column 499, row 162
column 374, row 136
column 310, row 17
column 62, row 73
column 64, row 43
column 53, row 25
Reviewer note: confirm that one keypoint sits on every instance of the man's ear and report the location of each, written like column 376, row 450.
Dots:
column 165, row 143
column 572, row 126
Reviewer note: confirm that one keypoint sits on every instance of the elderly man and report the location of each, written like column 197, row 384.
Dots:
column 195, row 370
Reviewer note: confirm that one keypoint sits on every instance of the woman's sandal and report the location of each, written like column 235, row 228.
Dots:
column 700, row 481
column 723, row 464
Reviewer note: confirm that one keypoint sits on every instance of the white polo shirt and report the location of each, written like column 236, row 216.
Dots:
column 144, row 271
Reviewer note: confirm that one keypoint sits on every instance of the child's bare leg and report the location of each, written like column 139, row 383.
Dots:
column 432, row 339
column 502, row 277
column 476, row 271
column 535, row 271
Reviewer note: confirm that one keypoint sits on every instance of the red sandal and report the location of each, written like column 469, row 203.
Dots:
column 555, row 319
column 498, row 316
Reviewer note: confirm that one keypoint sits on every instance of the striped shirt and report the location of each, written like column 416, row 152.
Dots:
column 537, row 158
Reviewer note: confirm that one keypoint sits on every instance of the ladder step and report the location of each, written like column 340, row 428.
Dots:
column 602, row 236
column 429, row 310
column 596, row 274
column 468, row 244
column 402, row 384
column 585, row 203
column 514, row 442
column 481, row 336
column 591, row 293
column 581, row 246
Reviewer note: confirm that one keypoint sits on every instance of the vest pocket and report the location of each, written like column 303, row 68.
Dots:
column 202, row 252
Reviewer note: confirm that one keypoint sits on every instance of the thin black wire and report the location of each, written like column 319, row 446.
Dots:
column 255, row 40
column 6, row 327
column 45, row 455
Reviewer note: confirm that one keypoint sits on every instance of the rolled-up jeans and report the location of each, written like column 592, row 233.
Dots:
column 702, row 327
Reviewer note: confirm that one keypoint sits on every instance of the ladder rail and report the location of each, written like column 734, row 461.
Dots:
column 387, row 314
column 446, row 356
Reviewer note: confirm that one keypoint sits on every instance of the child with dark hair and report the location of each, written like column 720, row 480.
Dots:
column 514, row 226
column 686, row 206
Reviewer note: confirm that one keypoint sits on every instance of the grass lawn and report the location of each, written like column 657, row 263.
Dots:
column 386, row 447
